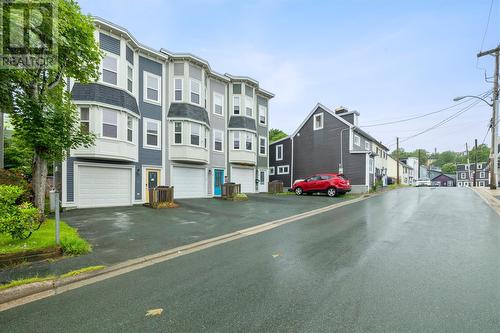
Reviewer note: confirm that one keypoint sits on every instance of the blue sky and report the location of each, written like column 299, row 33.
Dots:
column 386, row 59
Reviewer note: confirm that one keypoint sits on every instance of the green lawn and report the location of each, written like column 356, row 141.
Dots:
column 71, row 242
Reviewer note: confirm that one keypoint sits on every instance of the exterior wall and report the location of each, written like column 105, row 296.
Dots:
column 465, row 174
column 319, row 151
column 287, row 160
column 444, row 181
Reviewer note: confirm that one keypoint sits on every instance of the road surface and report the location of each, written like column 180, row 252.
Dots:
column 412, row 260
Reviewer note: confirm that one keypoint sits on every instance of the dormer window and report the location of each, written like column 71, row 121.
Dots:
column 195, row 92
column 318, row 121
column 110, row 70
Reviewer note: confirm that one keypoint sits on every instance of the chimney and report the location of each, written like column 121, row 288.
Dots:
column 341, row 110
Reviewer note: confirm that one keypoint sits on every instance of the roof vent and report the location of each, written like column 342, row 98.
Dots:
column 341, row 109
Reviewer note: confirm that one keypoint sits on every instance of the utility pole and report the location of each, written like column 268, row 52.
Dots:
column 475, row 162
column 468, row 162
column 419, row 164
column 493, row 155
column 397, row 160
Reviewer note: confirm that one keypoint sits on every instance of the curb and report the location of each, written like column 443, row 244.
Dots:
column 488, row 198
column 28, row 293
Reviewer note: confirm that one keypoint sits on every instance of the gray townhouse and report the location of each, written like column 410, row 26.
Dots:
column 163, row 118
column 465, row 174
column 329, row 141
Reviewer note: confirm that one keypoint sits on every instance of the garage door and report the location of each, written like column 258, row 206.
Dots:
column 103, row 186
column 189, row 182
column 245, row 177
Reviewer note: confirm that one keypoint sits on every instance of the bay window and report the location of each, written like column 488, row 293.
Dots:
column 178, row 90
column 236, row 105
column 178, row 132
column 85, row 120
column 236, row 140
column 249, row 106
column 248, row 142
column 130, row 129
column 195, row 92
column 110, row 70
column 195, row 134
column 109, row 124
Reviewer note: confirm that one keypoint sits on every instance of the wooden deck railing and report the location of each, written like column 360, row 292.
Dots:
column 275, row 187
column 230, row 190
column 161, row 196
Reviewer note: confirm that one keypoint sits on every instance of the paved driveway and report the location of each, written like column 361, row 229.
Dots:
column 119, row 234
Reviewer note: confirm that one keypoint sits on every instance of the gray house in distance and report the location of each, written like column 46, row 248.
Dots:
column 328, row 142
column 465, row 174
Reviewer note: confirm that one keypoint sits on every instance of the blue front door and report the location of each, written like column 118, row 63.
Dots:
column 218, row 181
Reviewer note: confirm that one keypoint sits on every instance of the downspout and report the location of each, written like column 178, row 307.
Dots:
column 292, row 168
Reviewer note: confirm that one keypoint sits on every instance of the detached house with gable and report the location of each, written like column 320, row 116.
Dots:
column 163, row 118
column 329, row 141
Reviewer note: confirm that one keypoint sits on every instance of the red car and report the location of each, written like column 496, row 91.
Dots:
column 329, row 183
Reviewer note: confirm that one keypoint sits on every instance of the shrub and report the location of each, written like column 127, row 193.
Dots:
column 17, row 218
column 75, row 246
column 9, row 177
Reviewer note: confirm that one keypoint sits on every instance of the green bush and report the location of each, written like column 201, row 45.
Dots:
column 75, row 246
column 18, row 219
column 9, row 177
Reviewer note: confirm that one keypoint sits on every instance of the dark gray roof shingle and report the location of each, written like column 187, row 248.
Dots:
column 104, row 94
column 242, row 122
column 189, row 111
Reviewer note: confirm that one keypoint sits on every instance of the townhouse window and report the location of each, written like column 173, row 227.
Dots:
column 236, row 105
column 482, row 174
column 178, row 132
column 357, row 140
column 262, row 115
column 218, row 104
column 236, row 140
column 218, row 141
column 248, row 143
column 279, row 152
column 262, row 146
column 479, row 166
column 130, row 129
column 466, row 167
column 367, row 145
column 283, row 170
column 152, row 88
column 481, row 184
column 110, row 69
column 195, row 134
column 130, row 79
column 372, row 165
column 318, row 121
column 249, row 106
column 85, row 120
column 195, row 91
column 271, row 171
column 463, row 176
column 178, row 90
column 152, row 133
column 109, row 124
column 206, row 137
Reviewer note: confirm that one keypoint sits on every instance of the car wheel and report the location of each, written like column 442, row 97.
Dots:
column 332, row 192
column 298, row 191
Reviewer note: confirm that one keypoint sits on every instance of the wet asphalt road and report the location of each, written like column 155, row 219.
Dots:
column 413, row 260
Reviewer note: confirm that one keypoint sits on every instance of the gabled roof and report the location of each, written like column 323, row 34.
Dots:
column 319, row 105
column 281, row 140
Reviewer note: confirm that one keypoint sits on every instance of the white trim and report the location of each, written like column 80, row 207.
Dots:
column 280, row 170
column 282, row 153
column 260, row 107
column 239, row 105
column 145, row 88
column 357, row 140
column 251, row 136
column 181, row 90
column 482, row 183
column 319, row 105
column 64, row 183
column 105, row 105
column 222, row 136
column 265, row 146
column 322, row 116
column 482, row 174
column 214, row 97
column 191, row 80
column 144, row 133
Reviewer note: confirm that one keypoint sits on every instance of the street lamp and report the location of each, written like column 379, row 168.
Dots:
column 494, row 148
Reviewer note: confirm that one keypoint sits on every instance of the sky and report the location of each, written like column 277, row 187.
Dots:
column 389, row 60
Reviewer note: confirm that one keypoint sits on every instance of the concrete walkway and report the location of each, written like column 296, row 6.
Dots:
column 492, row 197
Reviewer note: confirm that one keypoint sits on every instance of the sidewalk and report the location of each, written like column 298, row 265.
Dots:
column 491, row 197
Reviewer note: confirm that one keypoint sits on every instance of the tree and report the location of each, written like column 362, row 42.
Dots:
column 42, row 113
column 276, row 134
column 449, row 168
column 18, row 157
column 445, row 157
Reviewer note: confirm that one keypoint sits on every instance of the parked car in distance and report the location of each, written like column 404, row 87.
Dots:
column 423, row 182
column 329, row 183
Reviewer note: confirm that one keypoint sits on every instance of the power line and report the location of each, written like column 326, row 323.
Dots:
column 487, row 25
column 424, row 115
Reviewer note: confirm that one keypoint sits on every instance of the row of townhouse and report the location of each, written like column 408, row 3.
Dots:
column 407, row 174
column 465, row 174
column 329, row 141
column 163, row 118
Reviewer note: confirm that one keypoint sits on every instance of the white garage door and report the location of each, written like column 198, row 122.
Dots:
column 245, row 177
column 189, row 182
column 103, row 186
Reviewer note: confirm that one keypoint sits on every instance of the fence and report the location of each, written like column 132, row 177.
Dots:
column 161, row 196
column 275, row 187
column 230, row 190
